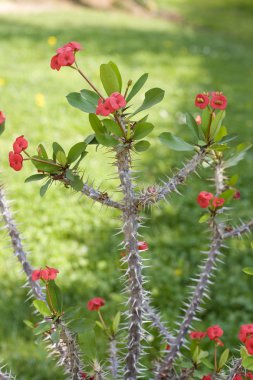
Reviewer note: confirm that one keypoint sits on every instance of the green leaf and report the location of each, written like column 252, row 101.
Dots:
column 248, row 363
column 141, row 146
column 227, row 194
column 152, row 97
column 233, row 180
column 77, row 183
column 35, row 177
column 216, row 123
column 237, row 157
column 2, row 128
column 100, row 325
column 78, row 101
column 42, row 308
column 55, row 299
column 106, row 140
column 117, row 73
column 96, row 124
column 109, row 79
column 45, row 187
column 28, row 324
column 204, row 218
column 223, row 358
column 116, row 322
column 113, row 127
column 42, row 151
column 196, row 354
column 205, row 120
column 43, row 327
column 70, row 175
column 91, row 139
column 55, row 337
column 48, row 166
column 244, row 352
column 75, row 152
column 141, row 130
column 175, row 143
column 137, row 86
column 91, row 99
column 191, row 123
column 248, row 270
column 61, row 158
column 57, row 148
column 207, row 363
column 220, row 134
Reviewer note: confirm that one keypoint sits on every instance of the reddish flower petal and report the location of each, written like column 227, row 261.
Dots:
column 36, row 275
column 95, row 303
column 201, row 101
column 20, row 144
column 218, row 101
column 204, row 198
column 214, row 332
column 15, row 161
column 2, row 117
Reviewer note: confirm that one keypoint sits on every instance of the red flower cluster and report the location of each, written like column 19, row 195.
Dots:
column 207, row 377
column 248, row 375
column 197, row 335
column 204, row 200
column 246, row 337
column 142, row 246
column 215, row 99
column 213, row 333
column 95, row 303
column 15, row 158
column 84, row 375
column 111, row 104
column 45, row 274
column 2, row 117
column 65, row 55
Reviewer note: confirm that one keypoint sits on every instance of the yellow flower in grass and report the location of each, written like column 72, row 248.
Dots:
column 2, row 82
column 52, row 41
column 178, row 272
column 40, row 100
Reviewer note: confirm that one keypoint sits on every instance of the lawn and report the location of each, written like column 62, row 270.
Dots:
column 210, row 49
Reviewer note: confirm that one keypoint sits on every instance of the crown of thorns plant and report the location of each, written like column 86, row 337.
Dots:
column 185, row 353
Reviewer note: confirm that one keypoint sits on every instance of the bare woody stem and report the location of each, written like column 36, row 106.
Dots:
column 114, row 364
column 134, row 271
column 88, row 81
column 197, row 297
column 147, row 198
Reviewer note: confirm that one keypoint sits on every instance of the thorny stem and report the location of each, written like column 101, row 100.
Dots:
column 146, row 198
column 237, row 365
column 5, row 375
column 67, row 349
column 114, row 365
column 134, row 271
column 120, row 124
column 196, row 299
column 237, row 232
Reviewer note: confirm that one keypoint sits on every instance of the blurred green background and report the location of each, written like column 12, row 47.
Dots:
column 192, row 46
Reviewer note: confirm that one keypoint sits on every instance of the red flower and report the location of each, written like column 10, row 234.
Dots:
column 249, row 345
column 36, row 274
column 218, row 101
column 204, row 198
column 218, row 202
column 237, row 195
column 214, row 332
column 198, row 119
column 70, row 46
column 207, row 377
column 142, row 246
column 237, row 377
column 117, row 101
column 2, row 117
column 219, row 342
column 246, row 331
column 201, row 101
column 15, row 161
column 83, row 375
column 54, row 63
column 167, row 348
column 20, row 144
column 44, row 274
column 249, row 375
column 95, row 303
column 104, row 108
column 197, row 335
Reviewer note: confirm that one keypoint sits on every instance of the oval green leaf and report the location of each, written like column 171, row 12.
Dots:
column 175, row 143
column 137, row 86
column 152, row 97
column 141, row 130
column 141, row 146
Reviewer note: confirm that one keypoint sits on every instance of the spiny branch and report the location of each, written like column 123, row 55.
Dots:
column 199, row 293
column 154, row 194
column 100, row 197
column 219, row 177
column 4, row 375
column 238, row 231
column 134, row 271
column 236, row 368
column 67, row 349
column 157, row 322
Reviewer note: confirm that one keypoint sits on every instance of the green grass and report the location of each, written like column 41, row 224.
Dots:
column 210, row 49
